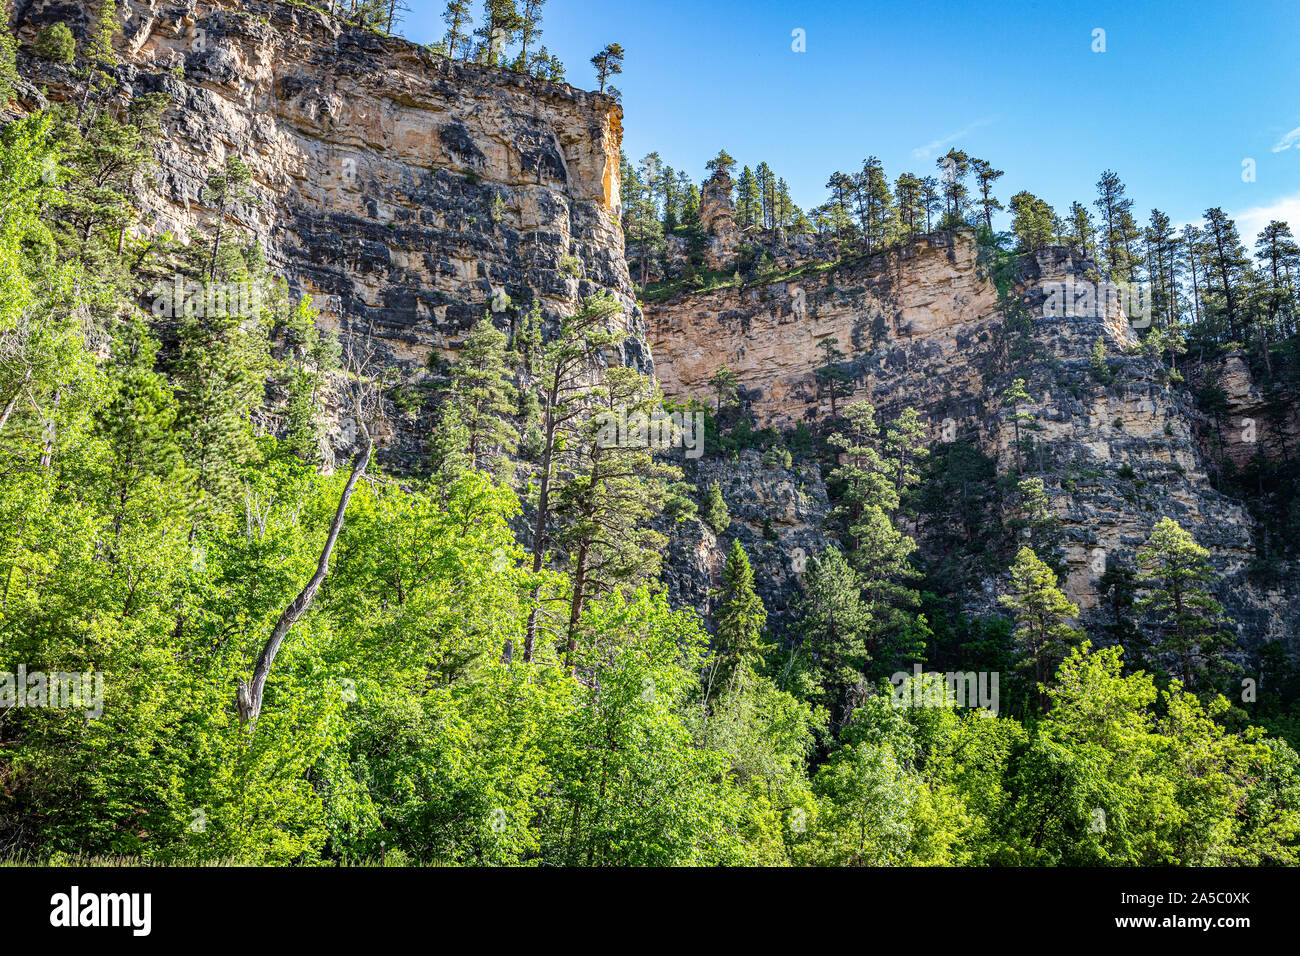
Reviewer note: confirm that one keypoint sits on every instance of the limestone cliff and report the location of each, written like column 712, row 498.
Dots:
column 404, row 191
column 407, row 193
column 920, row 327
column 777, row 514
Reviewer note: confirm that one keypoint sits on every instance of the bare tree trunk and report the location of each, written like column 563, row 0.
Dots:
column 4, row 417
column 575, row 608
column 539, row 529
column 51, row 431
column 249, row 695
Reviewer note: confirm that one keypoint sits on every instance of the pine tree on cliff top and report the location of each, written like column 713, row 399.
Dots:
column 608, row 63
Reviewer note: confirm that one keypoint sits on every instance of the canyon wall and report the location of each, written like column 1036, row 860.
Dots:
column 408, row 194
column 919, row 327
column 405, row 192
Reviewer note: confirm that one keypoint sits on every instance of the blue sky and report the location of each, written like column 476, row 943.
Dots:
column 1184, row 93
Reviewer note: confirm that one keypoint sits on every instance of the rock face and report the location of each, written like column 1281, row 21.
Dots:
column 408, row 193
column 403, row 191
column 718, row 220
column 776, row 514
column 1252, row 422
column 922, row 328
column 769, row 335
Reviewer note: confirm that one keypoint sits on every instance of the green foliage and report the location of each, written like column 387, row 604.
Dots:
column 1176, row 577
column 483, row 398
column 55, row 43
column 716, row 515
column 8, row 65
column 153, row 530
column 739, row 619
column 1098, row 367
column 1042, row 612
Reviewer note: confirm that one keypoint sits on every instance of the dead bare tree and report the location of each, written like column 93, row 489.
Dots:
column 367, row 407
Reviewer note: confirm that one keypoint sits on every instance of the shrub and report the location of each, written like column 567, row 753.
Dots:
column 55, row 43
column 571, row 266
column 716, row 515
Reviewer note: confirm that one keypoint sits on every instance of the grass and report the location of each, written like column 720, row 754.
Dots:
column 672, row 288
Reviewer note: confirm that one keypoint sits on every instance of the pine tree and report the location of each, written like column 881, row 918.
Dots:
column 501, row 24
column 1228, row 270
column 835, row 626
column 613, row 490
column 739, row 619
column 1097, row 364
column 985, row 177
column 100, row 62
column 484, row 400
column 931, row 200
column 559, row 382
column 1035, row 521
column 457, row 18
column 226, row 188
column 1081, row 234
column 56, row 44
column 725, row 388
column 748, row 201
column 1176, row 577
column 1041, row 614
column 715, row 512
column 1033, row 222
column 1163, row 270
column 1193, row 258
column 875, row 203
column 875, row 470
column 1117, row 227
column 956, row 167
column 138, row 431
column 1279, row 256
column 307, row 356
column 911, row 206
column 832, row 379
column 642, row 225
column 1012, row 398
column 530, row 31
column 220, row 376
column 722, row 163
column 764, row 185
column 608, row 63
column 98, row 196
column 862, row 468
column 449, row 455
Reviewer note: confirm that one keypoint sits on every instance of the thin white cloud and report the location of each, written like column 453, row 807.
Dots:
column 929, row 149
column 1290, row 139
column 1251, row 222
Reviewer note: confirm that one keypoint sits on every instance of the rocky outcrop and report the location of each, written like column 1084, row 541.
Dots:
column 404, row 191
column 777, row 514
column 925, row 327
column 718, row 221
column 1249, row 420
column 410, row 195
